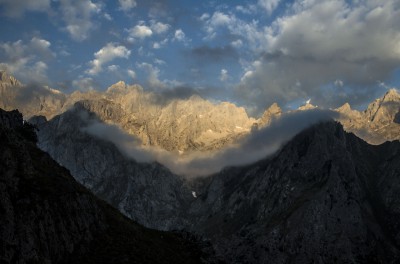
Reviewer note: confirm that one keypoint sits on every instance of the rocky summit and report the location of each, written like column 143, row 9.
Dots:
column 187, row 124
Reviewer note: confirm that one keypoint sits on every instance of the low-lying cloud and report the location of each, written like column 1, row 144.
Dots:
column 258, row 145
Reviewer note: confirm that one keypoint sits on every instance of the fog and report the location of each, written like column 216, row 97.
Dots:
column 258, row 145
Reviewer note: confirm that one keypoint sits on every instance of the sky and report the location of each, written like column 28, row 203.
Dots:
column 252, row 53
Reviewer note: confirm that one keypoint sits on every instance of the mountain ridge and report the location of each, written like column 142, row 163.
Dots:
column 186, row 125
column 48, row 217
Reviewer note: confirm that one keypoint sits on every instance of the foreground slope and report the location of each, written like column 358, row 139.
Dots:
column 326, row 197
column 47, row 217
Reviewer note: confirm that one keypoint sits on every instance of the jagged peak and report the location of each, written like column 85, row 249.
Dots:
column 391, row 95
column 344, row 108
column 6, row 78
column 307, row 106
column 274, row 109
column 122, row 87
column 196, row 97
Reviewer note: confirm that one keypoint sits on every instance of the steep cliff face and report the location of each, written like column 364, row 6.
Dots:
column 378, row 123
column 146, row 192
column 31, row 99
column 327, row 197
column 47, row 217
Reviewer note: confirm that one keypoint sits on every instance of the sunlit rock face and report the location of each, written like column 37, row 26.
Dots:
column 378, row 123
column 186, row 125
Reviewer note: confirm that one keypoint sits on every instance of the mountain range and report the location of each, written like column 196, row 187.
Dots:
column 325, row 196
column 186, row 124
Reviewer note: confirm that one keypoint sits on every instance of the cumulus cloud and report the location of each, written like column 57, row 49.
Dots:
column 319, row 42
column 180, row 36
column 16, row 8
column 28, row 60
column 256, row 146
column 106, row 54
column 127, row 5
column 131, row 73
column 247, row 30
column 139, row 31
column 77, row 15
column 269, row 5
column 160, row 28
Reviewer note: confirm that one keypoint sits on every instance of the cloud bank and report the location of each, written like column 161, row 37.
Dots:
column 258, row 145
column 318, row 42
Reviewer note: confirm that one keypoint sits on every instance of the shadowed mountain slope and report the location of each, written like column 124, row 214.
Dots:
column 47, row 217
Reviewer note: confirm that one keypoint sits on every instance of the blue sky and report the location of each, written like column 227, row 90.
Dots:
column 252, row 53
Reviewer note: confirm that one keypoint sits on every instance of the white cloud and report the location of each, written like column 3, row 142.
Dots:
column 159, row 27
column 159, row 62
column 237, row 43
column 248, row 9
column 224, row 75
column 158, row 45
column 180, row 36
column 204, row 17
column 77, row 14
column 140, row 31
column 113, row 68
column 16, row 8
column 27, row 61
column 108, row 16
column 248, row 30
column 127, row 5
column 152, row 75
column 131, row 73
column 106, row 54
column 269, row 5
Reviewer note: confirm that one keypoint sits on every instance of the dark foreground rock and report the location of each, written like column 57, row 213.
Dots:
column 47, row 217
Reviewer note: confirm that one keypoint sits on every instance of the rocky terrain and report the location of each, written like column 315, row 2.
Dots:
column 146, row 192
column 186, row 125
column 380, row 122
column 47, row 217
column 326, row 196
column 175, row 125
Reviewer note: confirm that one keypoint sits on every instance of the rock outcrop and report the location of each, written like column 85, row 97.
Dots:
column 377, row 123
